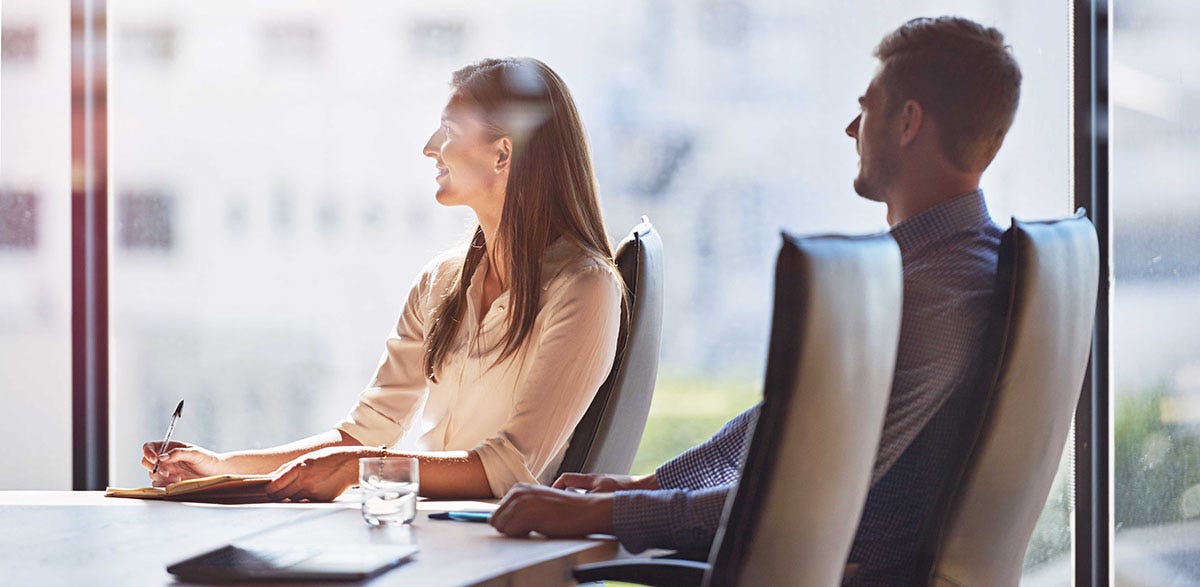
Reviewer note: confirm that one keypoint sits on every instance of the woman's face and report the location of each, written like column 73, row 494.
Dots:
column 472, row 167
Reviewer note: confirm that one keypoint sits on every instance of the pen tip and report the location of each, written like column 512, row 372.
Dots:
column 179, row 408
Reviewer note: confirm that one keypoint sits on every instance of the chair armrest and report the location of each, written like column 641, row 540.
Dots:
column 653, row 572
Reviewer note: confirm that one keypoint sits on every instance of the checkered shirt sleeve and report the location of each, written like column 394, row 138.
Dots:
column 715, row 462
column 681, row 519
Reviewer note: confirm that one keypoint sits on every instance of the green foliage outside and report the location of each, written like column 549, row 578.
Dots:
column 1156, row 467
column 688, row 410
column 1155, row 463
column 1052, row 536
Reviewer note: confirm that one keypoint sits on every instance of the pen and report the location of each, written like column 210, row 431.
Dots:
column 170, row 429
column 462, row 516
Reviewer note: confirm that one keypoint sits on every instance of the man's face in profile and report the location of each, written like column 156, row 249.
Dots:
column 874, row 138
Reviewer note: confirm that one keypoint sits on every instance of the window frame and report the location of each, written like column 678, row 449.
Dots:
column 89, row 245
column 1092, row 471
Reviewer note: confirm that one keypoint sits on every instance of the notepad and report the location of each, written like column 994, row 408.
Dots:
column 214, row 489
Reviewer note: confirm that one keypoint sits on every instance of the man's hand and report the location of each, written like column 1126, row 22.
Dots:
column 552, row 512
column 320, row 475
column 181, row 461
column 600, row 483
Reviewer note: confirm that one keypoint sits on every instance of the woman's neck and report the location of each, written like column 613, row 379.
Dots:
column 497, row 269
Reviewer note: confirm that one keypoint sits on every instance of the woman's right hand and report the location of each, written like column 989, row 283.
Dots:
column 181, row 461
column 603, row 483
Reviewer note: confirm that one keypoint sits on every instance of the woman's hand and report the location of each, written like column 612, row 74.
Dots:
column 182, row 461
column 320, row 475
column 552, row 512
column 601, row 483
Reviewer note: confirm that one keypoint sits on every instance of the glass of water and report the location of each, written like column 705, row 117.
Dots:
column 389, row 489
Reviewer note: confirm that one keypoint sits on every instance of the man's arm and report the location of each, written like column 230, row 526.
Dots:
column 677, row 519
column 666, row 518
column 713, row 463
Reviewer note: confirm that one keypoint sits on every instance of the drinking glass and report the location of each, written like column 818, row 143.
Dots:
column 389, row 489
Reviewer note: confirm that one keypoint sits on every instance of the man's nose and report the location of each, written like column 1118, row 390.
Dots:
column 852, row 128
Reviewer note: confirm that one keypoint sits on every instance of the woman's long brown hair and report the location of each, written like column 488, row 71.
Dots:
column 551, row 193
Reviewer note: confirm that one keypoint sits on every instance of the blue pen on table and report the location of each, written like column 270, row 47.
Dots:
column 162, row 449
column 481, row 517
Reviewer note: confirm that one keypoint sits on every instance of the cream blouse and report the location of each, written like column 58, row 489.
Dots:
column 518, row 414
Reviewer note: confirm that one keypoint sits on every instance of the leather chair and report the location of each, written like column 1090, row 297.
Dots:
column 1036, row 356
column 832, row 353
column 607, row 437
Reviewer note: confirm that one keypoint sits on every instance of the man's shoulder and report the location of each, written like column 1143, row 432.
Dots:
column 965, row 253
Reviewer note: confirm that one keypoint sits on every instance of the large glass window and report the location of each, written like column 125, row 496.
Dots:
column 270, row 208
column 1155, row 89
column 271, row 204
column 35, row 244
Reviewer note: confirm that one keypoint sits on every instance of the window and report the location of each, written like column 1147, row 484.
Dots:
column 18, row 45
column 146, row 44
column 437, row 38
column 145, row 220
column 721, row 120
column 35, row 244
column 18, row 220
column 286, row 215
column 290, row 42
column 1156, row 294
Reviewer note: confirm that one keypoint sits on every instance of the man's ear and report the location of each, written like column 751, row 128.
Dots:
column 503, row 153
column 912, row 116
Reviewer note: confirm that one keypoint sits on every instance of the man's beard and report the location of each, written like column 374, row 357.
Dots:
column 883, row 170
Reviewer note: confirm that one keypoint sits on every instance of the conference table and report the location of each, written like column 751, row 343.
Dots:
column 84, row 538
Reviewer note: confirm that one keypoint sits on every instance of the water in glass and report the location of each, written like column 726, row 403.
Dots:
column 386, row 502
column 389, row 489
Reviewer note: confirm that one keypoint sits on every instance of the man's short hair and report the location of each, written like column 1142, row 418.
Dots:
column 963, row 76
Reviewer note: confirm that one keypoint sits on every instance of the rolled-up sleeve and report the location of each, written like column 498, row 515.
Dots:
column 386, row 408
column 562, row 370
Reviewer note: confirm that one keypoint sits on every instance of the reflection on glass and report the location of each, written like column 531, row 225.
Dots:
column 1156, row 307
column 35, row 253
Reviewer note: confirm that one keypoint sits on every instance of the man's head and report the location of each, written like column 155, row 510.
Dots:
column 941, row 101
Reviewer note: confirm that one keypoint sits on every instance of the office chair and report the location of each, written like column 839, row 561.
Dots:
column 607, row 437
column 1037, row 349
column 834, row 335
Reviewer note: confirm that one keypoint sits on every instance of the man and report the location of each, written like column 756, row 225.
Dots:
column 931, row 120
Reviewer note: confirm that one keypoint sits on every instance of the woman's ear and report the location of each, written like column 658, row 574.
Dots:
column 912, row 116
column 503, row 153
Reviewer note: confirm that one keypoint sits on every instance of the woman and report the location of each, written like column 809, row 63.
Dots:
column 502, row 345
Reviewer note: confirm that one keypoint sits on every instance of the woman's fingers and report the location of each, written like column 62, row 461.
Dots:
column 286, row 484
column 152, row 450
column 163, row 478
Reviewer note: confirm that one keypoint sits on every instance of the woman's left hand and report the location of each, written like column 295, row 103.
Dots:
column 321, row 475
